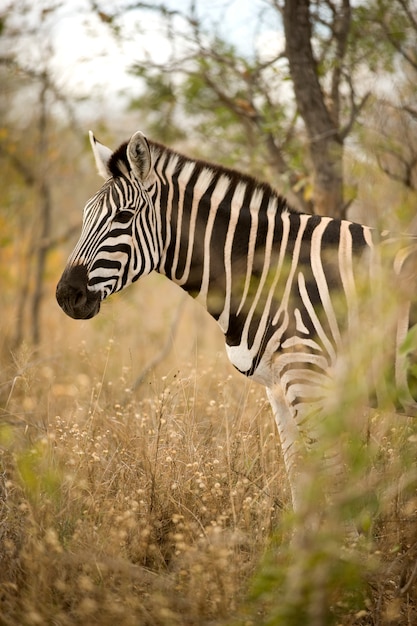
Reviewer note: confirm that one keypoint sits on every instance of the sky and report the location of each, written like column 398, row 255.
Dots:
column 87, row 56
column 89, row 63
column 87, row 59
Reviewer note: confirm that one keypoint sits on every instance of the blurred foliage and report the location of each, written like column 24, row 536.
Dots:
column 170, row 506
column 237, row 104
column 39, row 146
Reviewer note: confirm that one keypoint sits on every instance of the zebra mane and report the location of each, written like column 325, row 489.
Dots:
column 119, row 165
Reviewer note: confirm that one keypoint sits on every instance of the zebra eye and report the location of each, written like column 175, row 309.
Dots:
column 124, row 216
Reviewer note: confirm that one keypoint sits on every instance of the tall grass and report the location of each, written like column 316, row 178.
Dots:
column 169, row 505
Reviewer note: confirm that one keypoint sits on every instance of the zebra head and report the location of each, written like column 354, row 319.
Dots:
column 118, row 241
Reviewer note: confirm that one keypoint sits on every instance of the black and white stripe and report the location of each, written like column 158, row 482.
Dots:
column 284, row 287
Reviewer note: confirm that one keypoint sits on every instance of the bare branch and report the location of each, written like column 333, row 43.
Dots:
column 341, row 27
column 355, row 110
column 410, row 581
column 52, row 242
column 44, row 78
column 164, row 351
column 406, row 7
column 410, row 110
column 397, row 46
column 19, row 165
column 406, row 178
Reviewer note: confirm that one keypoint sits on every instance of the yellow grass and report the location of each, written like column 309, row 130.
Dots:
column 169, row 504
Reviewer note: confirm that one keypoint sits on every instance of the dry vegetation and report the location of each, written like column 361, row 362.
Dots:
column 169, row 505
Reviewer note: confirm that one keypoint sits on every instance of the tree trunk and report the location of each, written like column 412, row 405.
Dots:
column 325, row 144
column 44, row 215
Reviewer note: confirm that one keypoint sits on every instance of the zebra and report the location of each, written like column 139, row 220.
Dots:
column 283, row 286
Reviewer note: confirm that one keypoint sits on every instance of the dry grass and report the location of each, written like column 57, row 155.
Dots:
column 169, row 505
column 149, row 507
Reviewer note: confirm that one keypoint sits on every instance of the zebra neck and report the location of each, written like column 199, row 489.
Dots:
column 213, row 219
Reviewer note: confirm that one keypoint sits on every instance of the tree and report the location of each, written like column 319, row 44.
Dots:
column 239, row 98
column 395, row 114
column 26, row 154
column 322, row 121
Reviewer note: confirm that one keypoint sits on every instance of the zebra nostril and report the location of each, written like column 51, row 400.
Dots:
column 73, row 295
column 79, row 298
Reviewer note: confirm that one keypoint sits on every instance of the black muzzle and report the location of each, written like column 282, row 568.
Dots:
column 74, row 297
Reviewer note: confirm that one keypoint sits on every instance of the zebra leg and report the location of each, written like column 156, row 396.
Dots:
column 298, row 466
column 292, row 444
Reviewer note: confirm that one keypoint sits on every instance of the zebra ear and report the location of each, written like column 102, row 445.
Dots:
column 139, row 155
column 102, row 156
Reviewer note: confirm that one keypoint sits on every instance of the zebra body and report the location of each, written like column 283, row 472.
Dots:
column 266, row 273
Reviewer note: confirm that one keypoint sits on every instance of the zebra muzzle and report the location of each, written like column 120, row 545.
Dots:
column 73, row 295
